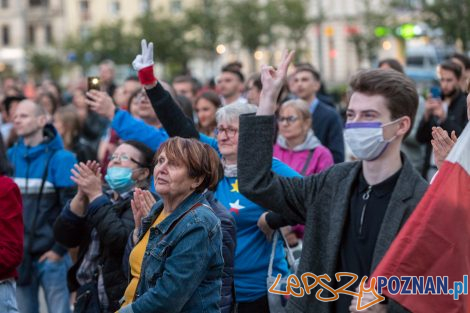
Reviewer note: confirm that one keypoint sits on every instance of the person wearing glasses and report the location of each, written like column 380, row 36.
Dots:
column 99, row 220
column 296, row 144
column 253, row 249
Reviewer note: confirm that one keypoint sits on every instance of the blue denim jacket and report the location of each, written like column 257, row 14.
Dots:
column 182, row 267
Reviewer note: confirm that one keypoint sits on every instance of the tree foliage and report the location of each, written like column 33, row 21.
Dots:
column 452, row 16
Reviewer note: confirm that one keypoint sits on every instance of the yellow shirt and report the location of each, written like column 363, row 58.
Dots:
column 135, row 260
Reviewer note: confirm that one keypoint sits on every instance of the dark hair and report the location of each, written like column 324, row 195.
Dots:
column 199, row 158
column 452, row 67
column 256, row 79
column 393, row 64
column 233, row 66
column 9, row 100
column 187, row 79
column 306, row 67
column 55, row 102
column 145, row 152
column 398, row 90
column 131, row 99
column 5, row 167
column 210, row 96
column 234, row 71
column 462, row 58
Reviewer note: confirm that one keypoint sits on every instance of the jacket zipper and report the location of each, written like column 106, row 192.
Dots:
column 365, row 197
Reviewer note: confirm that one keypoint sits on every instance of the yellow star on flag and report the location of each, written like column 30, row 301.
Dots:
column 235, row 187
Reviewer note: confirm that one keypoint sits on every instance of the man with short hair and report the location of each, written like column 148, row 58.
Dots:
column 354, row 210
column 186, row 86
column 326, row 122
column 449, row 112
column 42, row 171
column 8, row 111
column 107, row 74
column 230, row 85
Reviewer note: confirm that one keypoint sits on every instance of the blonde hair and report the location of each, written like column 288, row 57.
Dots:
column 300, row 106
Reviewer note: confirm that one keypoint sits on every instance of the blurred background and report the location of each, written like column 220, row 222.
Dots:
column 62, row 40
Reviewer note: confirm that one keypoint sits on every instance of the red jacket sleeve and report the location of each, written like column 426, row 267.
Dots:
column 11, row 228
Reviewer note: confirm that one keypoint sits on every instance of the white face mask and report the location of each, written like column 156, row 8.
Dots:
column 366, row 139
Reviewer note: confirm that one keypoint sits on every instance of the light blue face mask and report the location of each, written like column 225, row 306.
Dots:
column 119, row 178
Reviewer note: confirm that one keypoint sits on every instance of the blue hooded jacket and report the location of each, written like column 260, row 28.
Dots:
column 29, row 165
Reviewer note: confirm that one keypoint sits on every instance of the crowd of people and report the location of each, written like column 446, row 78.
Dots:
column 157, row 197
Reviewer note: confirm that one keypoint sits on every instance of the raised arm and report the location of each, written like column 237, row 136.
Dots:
column 175, row 122
column 257, row 182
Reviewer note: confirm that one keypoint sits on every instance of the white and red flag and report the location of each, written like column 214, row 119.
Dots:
column 435, row 241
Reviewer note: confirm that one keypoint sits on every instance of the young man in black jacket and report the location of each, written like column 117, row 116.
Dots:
column 353, row 211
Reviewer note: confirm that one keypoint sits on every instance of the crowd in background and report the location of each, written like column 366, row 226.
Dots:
column 97, row 170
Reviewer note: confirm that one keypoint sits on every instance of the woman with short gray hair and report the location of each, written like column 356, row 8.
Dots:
column 253, row 250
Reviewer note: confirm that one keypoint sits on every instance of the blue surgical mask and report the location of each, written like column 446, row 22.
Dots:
column 119, row 178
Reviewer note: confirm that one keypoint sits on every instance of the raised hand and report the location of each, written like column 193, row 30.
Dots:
column 442, row 144
column 143, row 64
column 101, row 103
column 273, row 80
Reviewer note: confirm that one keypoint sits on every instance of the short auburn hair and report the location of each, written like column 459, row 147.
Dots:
column 398, row 90
column 200, row 159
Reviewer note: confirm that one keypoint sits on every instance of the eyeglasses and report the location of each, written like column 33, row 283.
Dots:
column 124, row 158
column 288, row 119
column 230, row 132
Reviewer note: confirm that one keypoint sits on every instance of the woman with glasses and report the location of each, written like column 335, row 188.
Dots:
column 99, row 220
column 253, row 250
column 296, row 144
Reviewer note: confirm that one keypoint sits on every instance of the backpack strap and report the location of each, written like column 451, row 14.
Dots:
column 307, row 162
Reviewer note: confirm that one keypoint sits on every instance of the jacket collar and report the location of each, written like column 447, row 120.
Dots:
column 396, row 212
column 165, row 225
column 393, row 219
column 310, row 143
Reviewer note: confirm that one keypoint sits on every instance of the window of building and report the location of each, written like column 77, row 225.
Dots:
column 115, row 7
column 49, row 36
column 31, row 34
column 144, row 6
column 4, row 4
column 176, row 7
column 5, row 35
column 84, row 6
column 38, row 3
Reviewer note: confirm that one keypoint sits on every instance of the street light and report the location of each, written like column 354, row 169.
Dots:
column 387, row 45
column 220, row 49
column 259, row 55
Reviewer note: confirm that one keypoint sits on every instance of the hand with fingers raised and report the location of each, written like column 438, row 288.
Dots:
column 143, row 64
column 273, row 80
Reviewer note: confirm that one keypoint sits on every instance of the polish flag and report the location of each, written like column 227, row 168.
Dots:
column 435, row 241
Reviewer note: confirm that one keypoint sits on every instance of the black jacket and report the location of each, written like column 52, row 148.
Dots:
column 114, row 223
column 320, row 201
column 456, row 120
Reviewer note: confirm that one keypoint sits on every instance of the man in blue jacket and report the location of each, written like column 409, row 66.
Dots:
column 42, row 171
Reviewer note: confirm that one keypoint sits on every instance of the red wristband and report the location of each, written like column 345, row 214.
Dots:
column 146, row 76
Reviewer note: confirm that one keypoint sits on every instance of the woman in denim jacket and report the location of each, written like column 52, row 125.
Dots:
column 176, row 259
